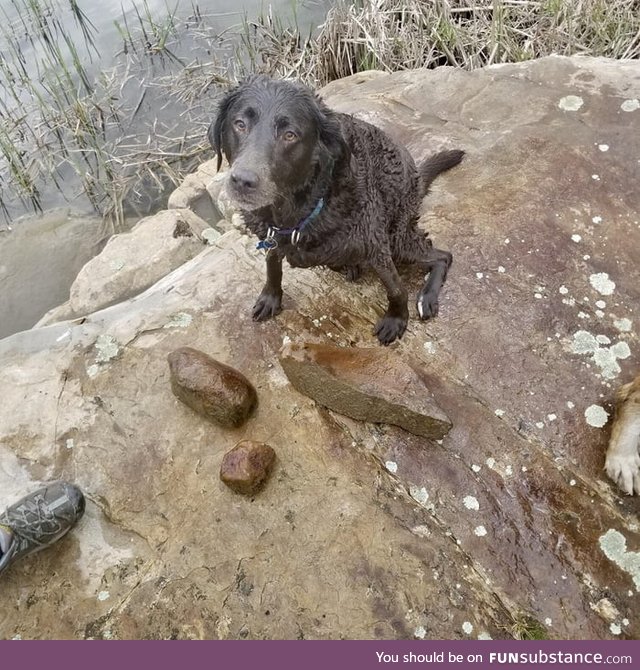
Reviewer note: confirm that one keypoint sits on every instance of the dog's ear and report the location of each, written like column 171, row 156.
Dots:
column 216, row 129
column 331, row 135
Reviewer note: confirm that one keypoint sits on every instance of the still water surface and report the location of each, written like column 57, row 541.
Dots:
column 41, row 256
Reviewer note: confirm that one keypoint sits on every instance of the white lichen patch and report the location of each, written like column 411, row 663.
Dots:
column 570, row 404
column 595, row 177
column 479, row 275
column 179, row 320
column 392, row 466
column 621, row 350
column 570, row 103
column 116, row 264
column 69, row 444
column 210, row 236
column 552, row 417
column 92, row 371
column 630, row 105
column 563, row 290
column 419, row 494
column 540, row 425
column 596, row 219
column 476, row 468
column 420, row 633
column 623, row 325
column 480, row 531
column 615, row 629
column 576, row 238
column 421, row 531
column 548, row 621
column 605, row 609
column 601, row 304
column 601, row 283
column 603, row 147
column 491, row 462
column 103, row 595
column 430, row 347
column 107, row 348
column 470, row 502
column 467, row 627
column 499, row 412
column 484, row 636
column 501, row 269
column 596, row 416
column 585, row 343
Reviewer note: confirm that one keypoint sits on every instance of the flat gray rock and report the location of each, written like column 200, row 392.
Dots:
column 374, row 385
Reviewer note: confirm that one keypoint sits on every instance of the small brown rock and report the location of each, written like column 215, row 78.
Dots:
column 246, row 467
column 211, row 388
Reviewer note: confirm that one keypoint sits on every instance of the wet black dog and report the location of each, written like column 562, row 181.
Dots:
column 323, row 188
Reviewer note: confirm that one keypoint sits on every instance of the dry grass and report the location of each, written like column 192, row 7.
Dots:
column 392, row 35
column 123, row 151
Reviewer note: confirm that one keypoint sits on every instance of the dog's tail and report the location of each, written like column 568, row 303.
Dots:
column 434, row 165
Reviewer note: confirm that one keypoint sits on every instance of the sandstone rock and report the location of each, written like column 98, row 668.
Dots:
column 133, row 261
column 373, row 385
column 211, row 388
column 514, row 514
column 192, row 194
column 247, row 466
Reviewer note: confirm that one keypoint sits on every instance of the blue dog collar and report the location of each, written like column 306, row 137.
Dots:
column 270, row 241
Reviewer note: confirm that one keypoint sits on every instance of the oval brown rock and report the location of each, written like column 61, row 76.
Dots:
column 246, row 467
column 211, row 388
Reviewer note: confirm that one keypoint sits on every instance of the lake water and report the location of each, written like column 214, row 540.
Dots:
column 41, row 256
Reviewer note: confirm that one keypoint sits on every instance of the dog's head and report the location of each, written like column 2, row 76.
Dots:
column 278, row 138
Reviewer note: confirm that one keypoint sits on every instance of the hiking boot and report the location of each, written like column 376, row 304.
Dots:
column 38, row 520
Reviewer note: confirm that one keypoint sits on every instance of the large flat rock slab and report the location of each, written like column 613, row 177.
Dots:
column 508, row 518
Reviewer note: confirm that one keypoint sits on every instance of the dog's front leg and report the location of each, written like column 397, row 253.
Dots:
column 269, row 302
column 393, row 324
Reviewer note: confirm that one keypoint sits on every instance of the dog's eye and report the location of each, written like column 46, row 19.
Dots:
column 240, row 125
column 289, row 136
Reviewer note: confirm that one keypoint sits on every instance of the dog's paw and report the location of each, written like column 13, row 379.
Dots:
column 267, row 305
column 427, row 305
column 624, row 470
column 390, row 328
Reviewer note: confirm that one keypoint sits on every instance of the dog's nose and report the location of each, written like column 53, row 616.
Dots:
column 245, row 179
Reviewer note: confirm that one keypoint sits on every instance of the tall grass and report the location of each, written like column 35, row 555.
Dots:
column 59, row 125
column 392, row 35
column 122, row 137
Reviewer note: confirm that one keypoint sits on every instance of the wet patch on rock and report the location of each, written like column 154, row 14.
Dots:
column 213, row 389
column 246, row 468
column 373, row 385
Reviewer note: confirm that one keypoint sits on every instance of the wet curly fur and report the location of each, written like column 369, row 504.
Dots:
column 623, row 454
column 287, row 150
